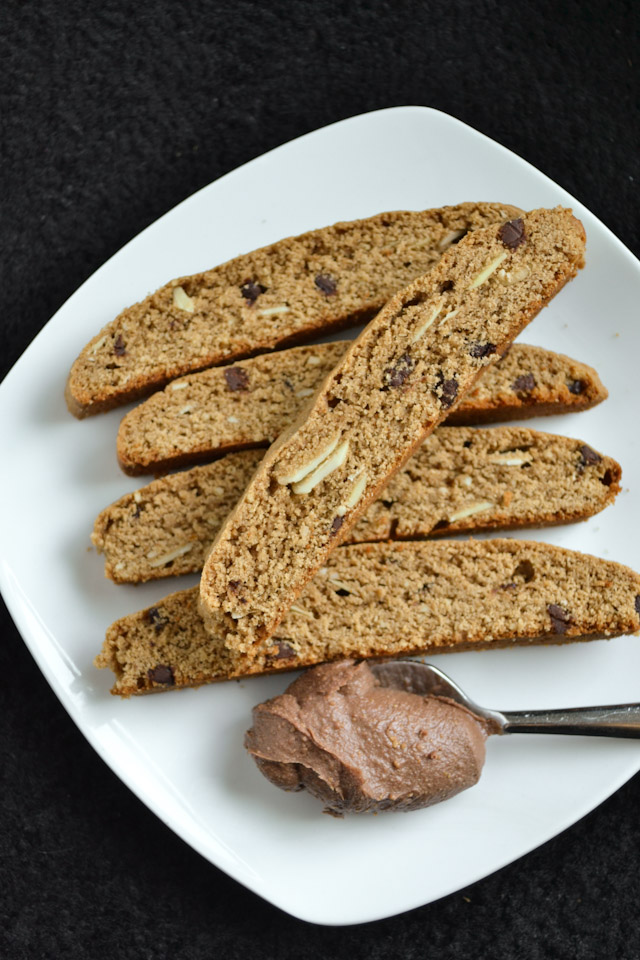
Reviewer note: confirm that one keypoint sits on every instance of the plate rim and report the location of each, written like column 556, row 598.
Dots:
column 33, row 634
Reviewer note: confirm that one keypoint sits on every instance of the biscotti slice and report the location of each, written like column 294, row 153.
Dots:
column 396, row 382
column 237, row 407
column 389, row 600
column 460, row 480
column 289, row 292
column 530, row 382
column 248, row 404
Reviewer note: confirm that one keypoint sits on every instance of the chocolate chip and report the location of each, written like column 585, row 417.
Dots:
column 524, row 384
column 326, row 284
column 525, row 570
column 237, row 379
column 607, row 480
column 335, row 525
column 342, row 592
column 467, row 443
column 560, row 618
column 284, row 651
column 576, row 386
column 333, row 402
column 161, row 674
column 588, row 456
column 157, row 619
column 396, row 375
column 512, row 233
column 449, row 392
column 637, row 604
column 251, row 291
column 481, row 350
column 446, row 390
column 446, row 285
column 119, row 347
column 387, row 503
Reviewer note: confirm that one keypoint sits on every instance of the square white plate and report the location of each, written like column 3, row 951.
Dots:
column 182, row 753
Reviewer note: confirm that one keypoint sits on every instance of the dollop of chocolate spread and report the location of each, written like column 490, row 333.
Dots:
column 361, row 747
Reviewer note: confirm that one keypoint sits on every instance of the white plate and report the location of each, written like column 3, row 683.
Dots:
column 181, row 753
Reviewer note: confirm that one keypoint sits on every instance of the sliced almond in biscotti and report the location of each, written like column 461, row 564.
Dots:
column 289, row 292
column 248, row 404
column 389, row 600
column 395, row 384
column 459, row 479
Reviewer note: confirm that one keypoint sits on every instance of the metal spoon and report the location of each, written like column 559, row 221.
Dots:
column 619, row 720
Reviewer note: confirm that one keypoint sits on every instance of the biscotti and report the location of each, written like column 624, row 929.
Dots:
column 248, row 404
column 395, row 384
column 460, row 480
column 387, row 600
column 530, row 382
column 289, row 292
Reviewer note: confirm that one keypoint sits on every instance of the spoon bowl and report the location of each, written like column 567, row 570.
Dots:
column 617, row 720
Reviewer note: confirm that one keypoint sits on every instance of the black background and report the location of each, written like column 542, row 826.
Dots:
column 113, row 112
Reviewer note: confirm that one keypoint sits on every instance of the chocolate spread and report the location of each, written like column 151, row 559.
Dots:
column 361, row 747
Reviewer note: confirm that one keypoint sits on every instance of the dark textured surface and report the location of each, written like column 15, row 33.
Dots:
column 111, row 113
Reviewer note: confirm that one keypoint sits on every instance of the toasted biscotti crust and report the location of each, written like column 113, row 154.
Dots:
column 286, row 293
column 248, row 404
column 389, row 600
column 396, row 382
column 460, row 480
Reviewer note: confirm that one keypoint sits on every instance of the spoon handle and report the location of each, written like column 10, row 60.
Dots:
column 619, row 720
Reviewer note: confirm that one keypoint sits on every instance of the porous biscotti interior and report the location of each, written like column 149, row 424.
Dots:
column 396, row 382
column 387, row 599
column 289, row 291
column 250, row 403
column 460, row 479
